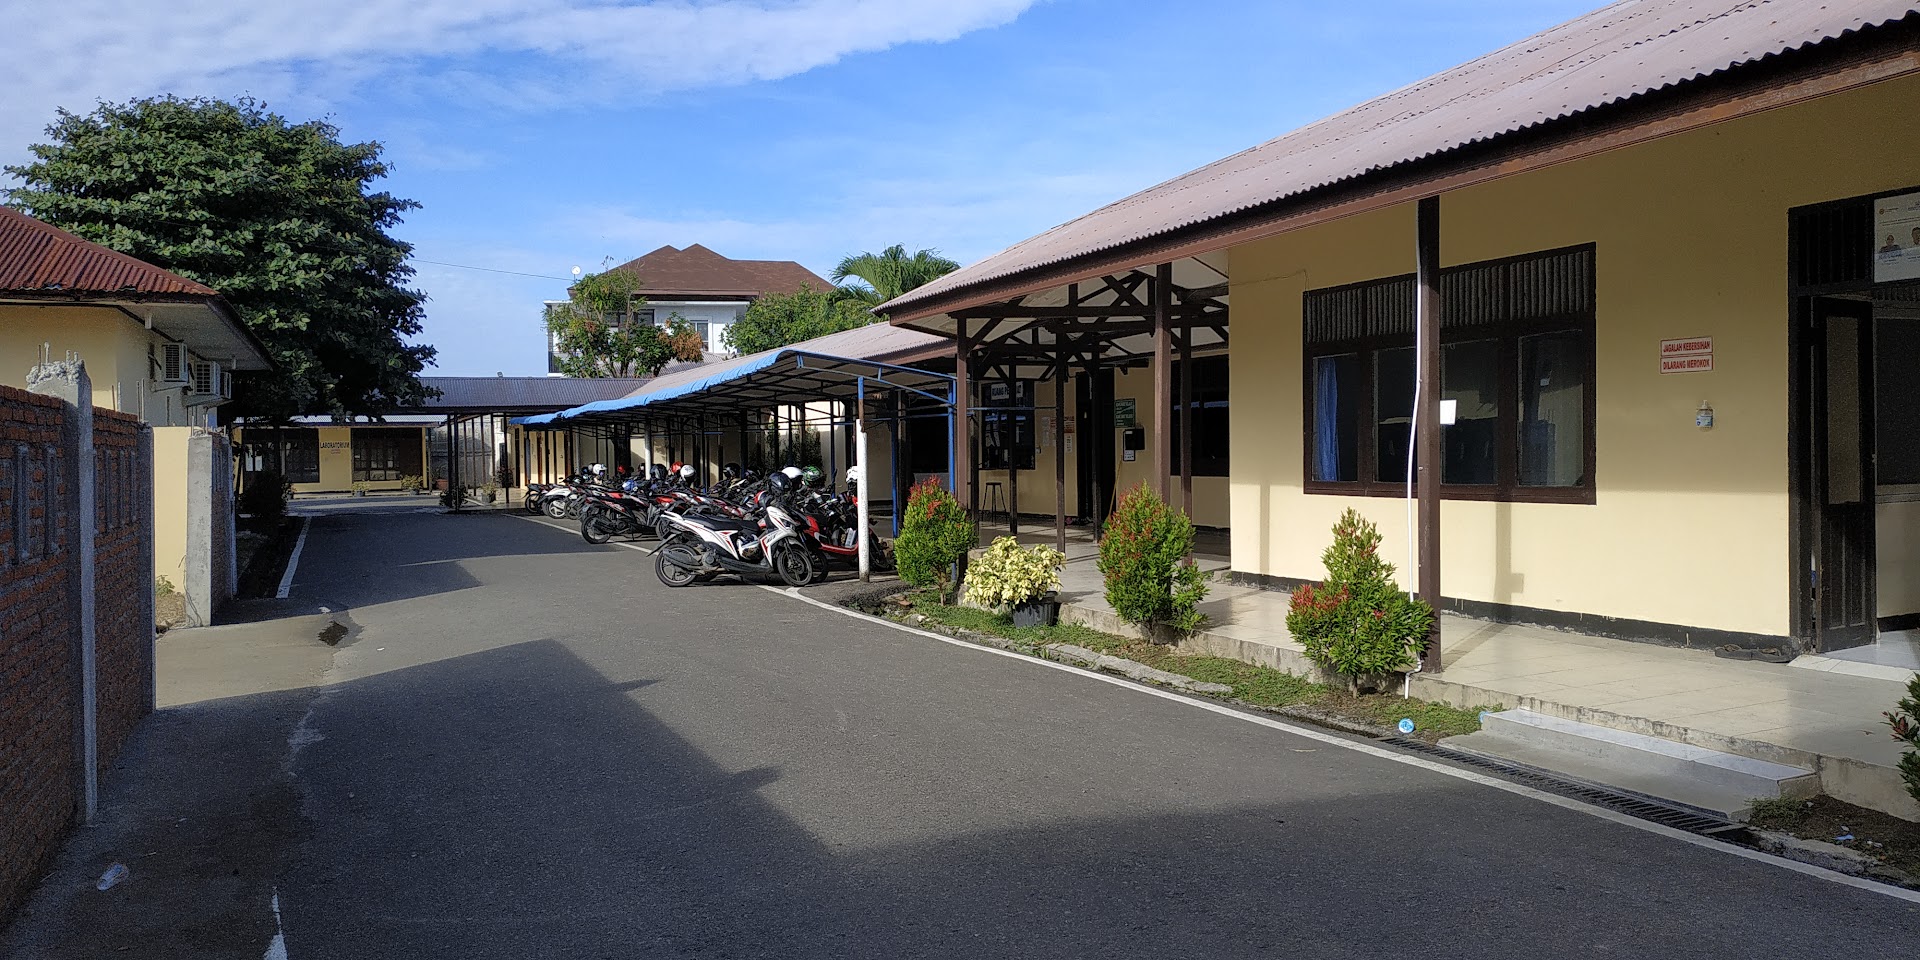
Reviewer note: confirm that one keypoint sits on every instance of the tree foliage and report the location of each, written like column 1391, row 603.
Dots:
column 889, row 273
column 280, row 217
column 597, row 335
column 778, row 319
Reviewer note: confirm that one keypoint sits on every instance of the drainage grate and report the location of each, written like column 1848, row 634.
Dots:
column 1633, row 805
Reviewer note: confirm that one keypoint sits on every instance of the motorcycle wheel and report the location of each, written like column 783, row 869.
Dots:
column 532, row 503
column 662, row 529
column 795, row 566
column 670, row 573
column 556, row 508
column 590, row 527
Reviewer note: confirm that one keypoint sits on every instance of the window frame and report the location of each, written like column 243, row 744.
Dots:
column 362, row 440
column 1508, row 333
column 1007, row 420
column 1213, row 391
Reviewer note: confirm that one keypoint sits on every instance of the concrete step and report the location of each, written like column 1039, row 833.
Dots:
column 1662, row 769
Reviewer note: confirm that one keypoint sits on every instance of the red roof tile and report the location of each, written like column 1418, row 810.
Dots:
column 672, row 273
column 40, row 258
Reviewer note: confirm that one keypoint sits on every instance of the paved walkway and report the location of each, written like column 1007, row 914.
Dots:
column 1813, row 718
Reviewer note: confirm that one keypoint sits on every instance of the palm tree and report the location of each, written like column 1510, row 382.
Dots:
column 889, row 273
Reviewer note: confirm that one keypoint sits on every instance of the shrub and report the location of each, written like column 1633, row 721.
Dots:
column 266, row 495
column 1358, row 623
column 1145, row 557
column 934, row 534
column 1905, row 722
column 1009, row 574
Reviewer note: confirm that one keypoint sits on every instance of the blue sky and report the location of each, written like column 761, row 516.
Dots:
column 541, row 134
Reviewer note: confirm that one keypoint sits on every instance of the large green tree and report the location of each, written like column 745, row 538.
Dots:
column 889, row 273
column 280, row 217
column 596, row 334
column 778, row 319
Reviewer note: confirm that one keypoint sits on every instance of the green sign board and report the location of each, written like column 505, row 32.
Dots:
column 1123, row 413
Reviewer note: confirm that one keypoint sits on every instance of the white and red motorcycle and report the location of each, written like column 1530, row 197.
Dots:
column 766, row 545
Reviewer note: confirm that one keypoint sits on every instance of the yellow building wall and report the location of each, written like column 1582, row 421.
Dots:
column 170, row 504
column 1690, row 526
column 1037, row 486
column 114, row 347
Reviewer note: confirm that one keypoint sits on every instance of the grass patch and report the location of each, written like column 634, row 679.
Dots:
column 1261, row 686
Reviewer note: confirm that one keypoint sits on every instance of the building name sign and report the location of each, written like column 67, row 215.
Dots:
column 1686, row 355
column 334, row 445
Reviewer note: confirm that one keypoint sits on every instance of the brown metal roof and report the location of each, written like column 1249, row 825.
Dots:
column 39, row 258
column 699, row 273
column 1614, row 54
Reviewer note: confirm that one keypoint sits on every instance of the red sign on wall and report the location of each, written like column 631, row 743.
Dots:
column 1686, row 355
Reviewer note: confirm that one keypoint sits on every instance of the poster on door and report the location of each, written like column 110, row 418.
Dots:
column 1896, row 238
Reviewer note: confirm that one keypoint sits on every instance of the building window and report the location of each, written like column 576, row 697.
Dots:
column 302, row 446
column 1006, row 425
column 1209, row 399
column 385, row 453
column 1516, row 361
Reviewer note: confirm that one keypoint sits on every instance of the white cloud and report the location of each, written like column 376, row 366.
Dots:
column 535, row 52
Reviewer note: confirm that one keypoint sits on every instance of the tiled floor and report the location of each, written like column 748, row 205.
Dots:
column 1897, row 649
column 1812, row 710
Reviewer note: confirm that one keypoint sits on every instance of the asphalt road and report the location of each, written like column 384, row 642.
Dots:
column 527, row 747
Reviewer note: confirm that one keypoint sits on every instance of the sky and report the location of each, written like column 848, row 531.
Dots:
column 540, row 135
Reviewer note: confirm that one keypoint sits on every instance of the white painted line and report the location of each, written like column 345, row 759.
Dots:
column 552, row 524
column 293, row 559
column 277, row 947
column 1860, row 883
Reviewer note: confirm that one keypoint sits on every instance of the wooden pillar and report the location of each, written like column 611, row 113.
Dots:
column 1186, row 421
column 1060, row 438
column 1011, row 419
column 1427, row 417
column 1163, row 379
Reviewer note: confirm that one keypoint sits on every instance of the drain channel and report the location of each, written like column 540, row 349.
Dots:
column 1642, row 808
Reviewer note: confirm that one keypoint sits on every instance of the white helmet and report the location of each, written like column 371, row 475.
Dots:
column 853, row 474
column 793, row 473
column 686, row 471
column 598, row 469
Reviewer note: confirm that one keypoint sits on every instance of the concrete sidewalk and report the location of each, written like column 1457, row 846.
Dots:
column 1819, row 719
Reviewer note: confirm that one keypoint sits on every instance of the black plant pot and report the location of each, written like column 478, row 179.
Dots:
column 1044, row 612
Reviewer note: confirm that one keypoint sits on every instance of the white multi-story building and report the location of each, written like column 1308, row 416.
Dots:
column 705, row 289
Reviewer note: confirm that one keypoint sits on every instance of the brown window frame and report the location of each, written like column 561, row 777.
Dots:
column 1508, row 333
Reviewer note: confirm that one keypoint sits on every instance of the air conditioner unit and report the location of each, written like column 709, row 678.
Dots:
column 173, row 364
column 211, row 384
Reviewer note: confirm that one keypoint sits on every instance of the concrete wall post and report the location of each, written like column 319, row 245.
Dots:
column 68, row 381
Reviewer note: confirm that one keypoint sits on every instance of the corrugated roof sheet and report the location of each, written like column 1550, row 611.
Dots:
column 696, row 272
column 41, row 259
column 524, row 393
column 1618, row 52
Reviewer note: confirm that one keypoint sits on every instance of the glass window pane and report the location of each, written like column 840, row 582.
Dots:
column 1336, row 418
column 1470, row 377
column 1392, row 412
column 1553, row 410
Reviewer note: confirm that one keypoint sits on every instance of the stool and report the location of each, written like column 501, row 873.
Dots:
column 994, row 502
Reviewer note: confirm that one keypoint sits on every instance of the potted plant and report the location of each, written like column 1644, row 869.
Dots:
column 489, row 491
column 360, row 488
column 413, row 484
column 1358, row 624
column 1023, row 579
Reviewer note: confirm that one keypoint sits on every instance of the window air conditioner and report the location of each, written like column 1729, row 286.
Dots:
column 173, row 363
column 209, row 385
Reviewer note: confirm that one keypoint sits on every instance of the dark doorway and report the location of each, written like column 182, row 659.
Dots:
column 1093, row 399
column 1841, row 457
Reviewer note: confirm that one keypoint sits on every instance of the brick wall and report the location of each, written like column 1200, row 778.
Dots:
column 40, row 700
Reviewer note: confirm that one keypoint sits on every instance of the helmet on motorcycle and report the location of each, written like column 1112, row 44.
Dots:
column 659, row 471
column 730, row 471
column 686, row 472
column 810, row 476
column 598, row 469
column 793, row 473
column 779, row 483
column 853, row 475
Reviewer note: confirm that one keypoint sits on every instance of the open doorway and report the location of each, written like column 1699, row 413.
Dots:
column 1855, row 430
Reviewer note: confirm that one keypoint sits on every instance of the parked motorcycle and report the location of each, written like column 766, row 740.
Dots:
column 701, row 546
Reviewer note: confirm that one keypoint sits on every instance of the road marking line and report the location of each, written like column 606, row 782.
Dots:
column 293, row 559
column 1860, row 883
column 277, row 947
column 543, row 520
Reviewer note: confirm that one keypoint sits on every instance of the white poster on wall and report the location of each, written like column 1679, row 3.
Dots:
column 1896, row 238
